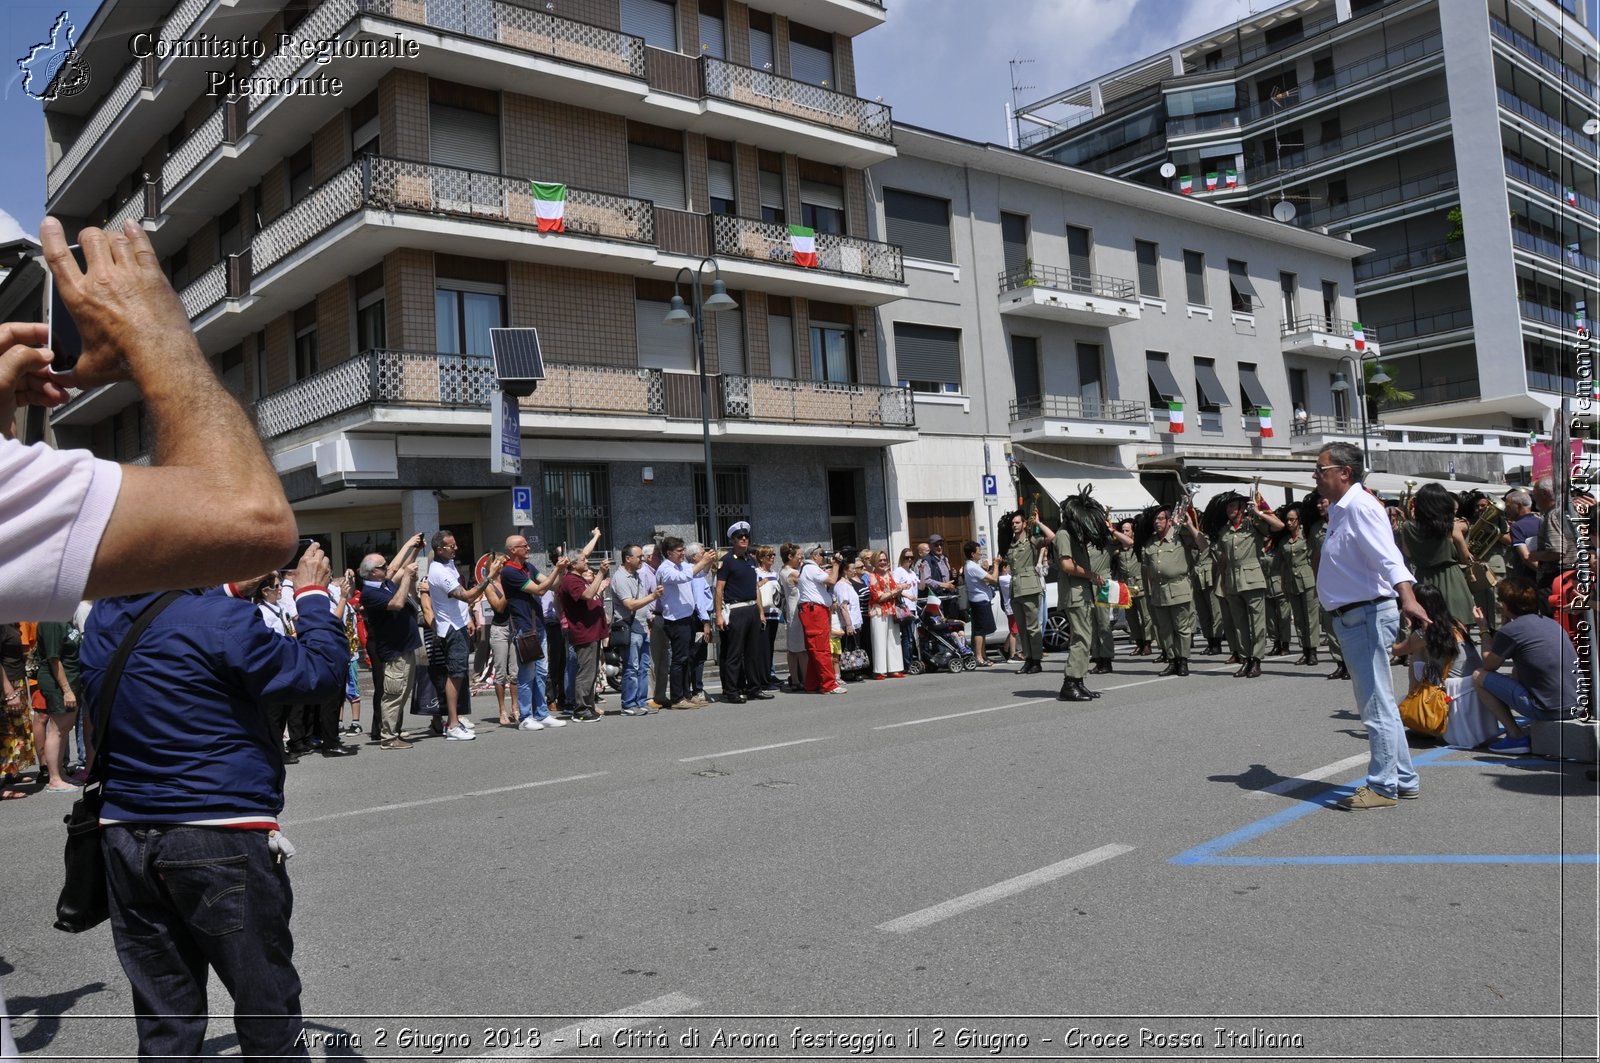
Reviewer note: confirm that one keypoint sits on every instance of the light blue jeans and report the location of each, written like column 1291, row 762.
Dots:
column 531, row 676
column 1366, row 634
column 636, row 670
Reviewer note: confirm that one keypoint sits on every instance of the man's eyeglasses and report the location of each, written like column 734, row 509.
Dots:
column 272, row 586
column 1327, row 468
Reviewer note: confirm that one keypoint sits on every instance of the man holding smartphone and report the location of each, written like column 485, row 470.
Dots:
column 582, row 603
column 208, row 510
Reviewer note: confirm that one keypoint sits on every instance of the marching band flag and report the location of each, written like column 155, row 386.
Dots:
column 1113, row 595
column 1175, row 417
column 1211, row 181
column 1186, row 185
column 1358, row 334
column 1572, row 196
column 1266, row 422
column 549, row 206
column 804, row 242
column 1231, row 178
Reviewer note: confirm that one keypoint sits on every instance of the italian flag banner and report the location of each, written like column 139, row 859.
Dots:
column 1211, row 181
column 804, row 242
column 1358, row 334
column 1113, row 595
column 1175, row 417
column 1231, row 178
column 1186, row 185
column 1572, row 196
column 549, row 206
column 1265, row 415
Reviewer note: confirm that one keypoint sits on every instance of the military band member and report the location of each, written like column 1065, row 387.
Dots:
column 1125, row 563
column 1473, row 505
column 1169, row 590
column 1278, row 618
column 1299, row 583
column 1241, row 572
column 1083, row 564
column 1208, row 610
column 1022, row 542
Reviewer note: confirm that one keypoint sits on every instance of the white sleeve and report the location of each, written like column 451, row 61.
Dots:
column 54, row 507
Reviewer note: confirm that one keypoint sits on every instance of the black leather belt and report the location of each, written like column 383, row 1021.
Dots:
column 1343, row 609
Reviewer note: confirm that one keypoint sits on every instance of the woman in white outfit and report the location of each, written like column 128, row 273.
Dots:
column 887, row 660
column 1445, row 653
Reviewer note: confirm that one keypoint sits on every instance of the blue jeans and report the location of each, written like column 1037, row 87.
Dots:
column 187, row 898
column 1514, row 696
column 636, row 669
column 531, row 676
column 1366, row 634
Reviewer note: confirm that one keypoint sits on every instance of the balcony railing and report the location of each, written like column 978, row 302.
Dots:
column 428, row 378
column 337, row 198
column 1371, row 68
column 1546, row 315
column 1554, row 252
column 1360, row 137
column 1448, row 391
column 205, row 291
column 1545, row 183
column 1076, row 408
column 131, row 210
column 1430, row 325
column 125, row 89
column 1377, row 199
column 1330, row 326
column 1546, row 121
column 796, row 99
column 1190, row 124
column 1324, row 426
column 524, row 29
column 1404, row 261
column 748, row 238
column 1548, row 60
column 750, row 398
column 1062, row 279
column 192, row 152
column 323, row 24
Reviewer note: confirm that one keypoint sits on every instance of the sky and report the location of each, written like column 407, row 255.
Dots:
column 940, row 64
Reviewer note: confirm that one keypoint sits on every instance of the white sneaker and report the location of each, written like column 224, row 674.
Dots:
column 459, row 734
column 551, row 721
column 530, row 724
column 468, row 724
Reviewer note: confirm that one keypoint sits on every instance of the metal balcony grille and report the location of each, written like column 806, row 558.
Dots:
column 1073, row 407
column 335, row 199
column 747, row 238
column 524, row 29
column 797, row 99
column 205, row 291
column 124, row 90
column 322, row 24
column 1058, row 278
column 192, row 152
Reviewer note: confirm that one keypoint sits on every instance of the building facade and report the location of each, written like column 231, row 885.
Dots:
column 1456, row 138
column 343, row 255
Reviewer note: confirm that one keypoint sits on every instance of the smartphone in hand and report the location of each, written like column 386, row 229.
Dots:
column 65, row 341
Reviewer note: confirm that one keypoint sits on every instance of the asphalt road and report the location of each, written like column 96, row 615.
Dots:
column 941, row 866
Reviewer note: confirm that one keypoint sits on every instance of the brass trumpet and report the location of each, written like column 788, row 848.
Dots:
column 1405, row 499
column 1482, row 538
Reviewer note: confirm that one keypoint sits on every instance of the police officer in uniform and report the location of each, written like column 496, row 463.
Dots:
column 1169, row 590
column 1299, row 583
column 1083, row 564
column 1241, row 571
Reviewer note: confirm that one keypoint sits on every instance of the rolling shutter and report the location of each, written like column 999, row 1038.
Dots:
column 1250, row 384
column 1161, row 378
column 1014, row 240
column 822, row 195
column 811, row 65
column 655, row 21
column 466, row 139
column 1211, row 390
column 771, row 189
column 728, row 326
column 719, row 179
column 761, row 50
column 662, row 346
column 780, row 345
column 657, row 175
column 927, row 353
column 712, row 37
column 919, row 224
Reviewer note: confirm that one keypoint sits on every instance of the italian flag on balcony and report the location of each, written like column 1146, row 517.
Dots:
column 1572, row 196
column 1211, row 181
column 1265, row 417
column 1358, row 334
column 549, row 206
column 804, row 242
column 1175, row 417
column 1231, row 178
column 1186, row 185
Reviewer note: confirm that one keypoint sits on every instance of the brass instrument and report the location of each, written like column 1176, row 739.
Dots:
column 1483, row 537
column 1405, row 499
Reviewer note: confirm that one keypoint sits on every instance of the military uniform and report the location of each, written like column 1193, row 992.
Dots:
column 1027, row 595
column 1125, row 563
column 1278, row 619
column 1300, row 588
column 1208, row 611
column 1170, row 592
column 1076, row 598
column 1241, row 572
column 1102, row 643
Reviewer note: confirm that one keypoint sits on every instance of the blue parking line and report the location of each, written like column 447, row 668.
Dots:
column 1213, row 853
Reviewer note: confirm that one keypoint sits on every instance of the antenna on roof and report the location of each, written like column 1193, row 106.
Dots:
column 1015, row 123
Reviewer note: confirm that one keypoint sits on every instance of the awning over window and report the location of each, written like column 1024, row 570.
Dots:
column 1239, row 277
column 1161, row 375
column 1119, row 491
column 1252, row 387
column 1211, row 391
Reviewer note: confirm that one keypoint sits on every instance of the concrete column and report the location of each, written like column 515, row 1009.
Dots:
column 419, row 512
column 496, row 522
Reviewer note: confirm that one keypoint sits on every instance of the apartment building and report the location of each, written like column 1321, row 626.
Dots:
column 1101, row 332
column 343, row 256
column 1455, row 138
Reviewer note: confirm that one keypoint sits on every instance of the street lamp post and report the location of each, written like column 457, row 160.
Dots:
column 719, row 300
column 1341, row 385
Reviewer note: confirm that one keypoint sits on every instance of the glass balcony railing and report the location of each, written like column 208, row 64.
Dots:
column 1546, row 315
column 1545, row 183
column 1378, row 199
column 1548, row 122
column 1359, row 137
column 1549, row 60
column 1371, row 268
column 1430, row 325
column 1375, row 67
column 1550, row 249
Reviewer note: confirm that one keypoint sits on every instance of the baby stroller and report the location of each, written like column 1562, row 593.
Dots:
column 941, row 643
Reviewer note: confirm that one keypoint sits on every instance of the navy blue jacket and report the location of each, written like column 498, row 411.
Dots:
column 189, row 740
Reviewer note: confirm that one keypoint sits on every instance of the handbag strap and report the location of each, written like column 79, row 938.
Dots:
column 108, row 687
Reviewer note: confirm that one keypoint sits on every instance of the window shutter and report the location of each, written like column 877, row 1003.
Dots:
column 812, row 65
column 1149, row 268
column 919, row 224
column 719, row 179
column 1014, row 240
column 657, row 175
column 655, row 21
column 926, row 353
column 730, row 341
column 711, row 37
column 761, row 50
column 771, row 189
column 463, row 138
column 661, row 346
column 821, row 195
column 780, row 344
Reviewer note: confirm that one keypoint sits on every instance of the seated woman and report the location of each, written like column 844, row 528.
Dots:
column 1444, row 653
column 1543, row 684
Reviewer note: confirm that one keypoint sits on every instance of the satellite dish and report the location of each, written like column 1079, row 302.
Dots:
column 1284, row 211
column 1592, row 126
column 1168, row 170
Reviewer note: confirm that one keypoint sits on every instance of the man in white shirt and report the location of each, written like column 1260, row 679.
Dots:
column 453, row 626
column 1359, row 579
column 680, row 609
column 816, row 610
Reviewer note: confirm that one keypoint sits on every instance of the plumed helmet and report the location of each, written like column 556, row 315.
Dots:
column 1144, row 526
column 1216, row 514
column 1084, row 518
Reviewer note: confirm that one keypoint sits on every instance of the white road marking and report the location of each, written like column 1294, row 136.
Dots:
column 958, row 715
column 1289, row 785
column 440, row 800
column 1000, row 890
column 752, row 749
column 554, row 1042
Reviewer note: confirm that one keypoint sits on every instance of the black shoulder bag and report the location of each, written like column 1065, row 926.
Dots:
column 84, row 902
